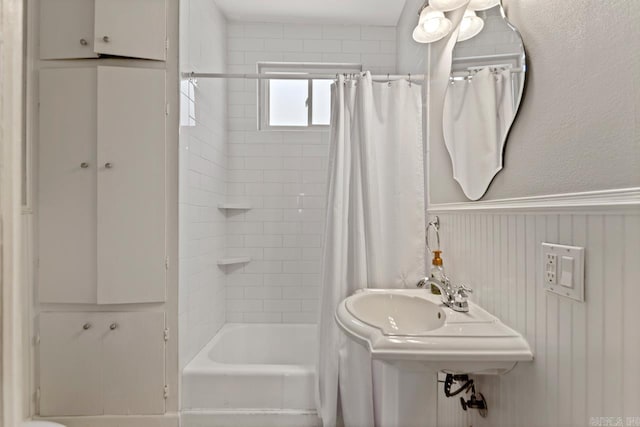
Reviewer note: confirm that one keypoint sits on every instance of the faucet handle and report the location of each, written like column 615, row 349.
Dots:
column 461, row 293
column 463, row 288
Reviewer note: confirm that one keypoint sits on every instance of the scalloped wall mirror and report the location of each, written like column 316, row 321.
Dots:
column 484, row 92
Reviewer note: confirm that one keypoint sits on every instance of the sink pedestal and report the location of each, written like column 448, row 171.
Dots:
column 405, row 394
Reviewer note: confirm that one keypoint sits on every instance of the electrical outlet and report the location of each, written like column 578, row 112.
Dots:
column 566, row 279
column 551, row 278
column 551, row 268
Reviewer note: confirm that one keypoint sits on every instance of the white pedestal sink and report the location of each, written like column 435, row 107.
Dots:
column 411, row 335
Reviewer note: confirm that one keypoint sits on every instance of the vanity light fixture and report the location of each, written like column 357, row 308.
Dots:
column 470, row 26
column 447, row 5
column 432, row 26
column 483, row 4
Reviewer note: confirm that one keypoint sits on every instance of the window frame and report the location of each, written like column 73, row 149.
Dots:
column 264, row 95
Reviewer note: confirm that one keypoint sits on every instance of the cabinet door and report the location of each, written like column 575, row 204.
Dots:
column 67, row 186
column 134, row 364
column 133, row 28
column 66, row 29
column 70, row 362
column 131, row 185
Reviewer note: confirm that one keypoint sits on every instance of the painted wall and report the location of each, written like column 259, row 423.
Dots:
column 203, row 170
column 283, row 174
column 578, row 126
column 412, row 56
column 14, row 315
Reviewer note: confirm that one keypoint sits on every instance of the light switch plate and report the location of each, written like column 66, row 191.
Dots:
column 563, row 270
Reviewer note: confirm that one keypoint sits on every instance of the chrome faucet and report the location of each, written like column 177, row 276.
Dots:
column 454, row 297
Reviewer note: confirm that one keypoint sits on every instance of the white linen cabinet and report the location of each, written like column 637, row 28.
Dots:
column 72, row 29
column 96, row 363
column 101, row 186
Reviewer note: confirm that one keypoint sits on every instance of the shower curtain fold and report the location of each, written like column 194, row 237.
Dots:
column 374, row 232
column 477, row 116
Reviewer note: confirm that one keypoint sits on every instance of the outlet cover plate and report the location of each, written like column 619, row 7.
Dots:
column 576, row 290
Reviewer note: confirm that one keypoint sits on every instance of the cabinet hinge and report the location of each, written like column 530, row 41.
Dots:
column 166, row 263
column 36, row 339
column 166, row 391
column 166, row 109
column 166, row 44
column 166, row 334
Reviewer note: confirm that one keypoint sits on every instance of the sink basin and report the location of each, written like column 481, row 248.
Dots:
column 414, row 325
column 396, row 314
column 402, row 338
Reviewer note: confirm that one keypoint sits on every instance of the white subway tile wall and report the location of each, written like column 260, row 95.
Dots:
column 203, row 169
column 283, row 174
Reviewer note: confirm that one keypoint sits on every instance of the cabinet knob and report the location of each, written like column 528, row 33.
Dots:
column 113, row 326
column 84, row 42
column 86, row 326
column 108, row 165
column 106, row 39
column 84, row 165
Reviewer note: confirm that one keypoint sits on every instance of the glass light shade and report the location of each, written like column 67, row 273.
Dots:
column 483, row 4
column 432, row 26
column 470, row 26
column 446, row 5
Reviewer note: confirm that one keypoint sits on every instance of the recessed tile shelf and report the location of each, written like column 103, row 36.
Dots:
column 235, row 205
column 234, row 260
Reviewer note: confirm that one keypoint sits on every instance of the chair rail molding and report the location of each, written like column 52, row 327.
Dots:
column 599, row 201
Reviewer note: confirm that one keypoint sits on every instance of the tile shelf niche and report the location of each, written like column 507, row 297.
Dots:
column 233, row 260
column 238, row 206
column 235, row 206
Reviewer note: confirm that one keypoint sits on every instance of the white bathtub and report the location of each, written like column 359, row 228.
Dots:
column 253, row 375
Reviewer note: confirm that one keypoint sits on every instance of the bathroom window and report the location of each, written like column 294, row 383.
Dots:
column 297, row 104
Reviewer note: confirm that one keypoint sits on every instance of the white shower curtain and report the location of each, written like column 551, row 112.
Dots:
column 374, row 234
column 477, row 116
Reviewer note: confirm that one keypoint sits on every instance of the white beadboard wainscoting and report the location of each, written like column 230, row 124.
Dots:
column 587, row 355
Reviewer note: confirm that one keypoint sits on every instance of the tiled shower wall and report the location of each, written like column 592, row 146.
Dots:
column 203, row 164
column 283, row 174
column 586, row 353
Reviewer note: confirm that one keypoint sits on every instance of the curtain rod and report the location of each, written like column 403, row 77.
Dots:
column 488, row 57
column 293, row 76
